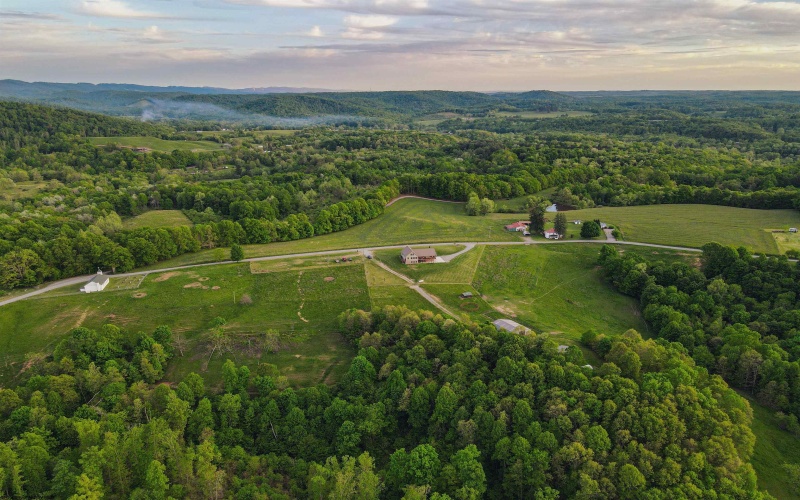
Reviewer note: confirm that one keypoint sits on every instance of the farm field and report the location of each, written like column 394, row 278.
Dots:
column 555, row 289
column 156, row 144
column 158, row 218
column 301, row 304
column 409, row 220
column 695, row 225
column 787, row 241
column 299, row 298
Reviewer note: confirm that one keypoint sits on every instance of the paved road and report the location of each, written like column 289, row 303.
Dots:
column 367, row 251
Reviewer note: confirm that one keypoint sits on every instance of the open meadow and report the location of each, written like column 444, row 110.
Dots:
column 696, row 225
column 408, row 221
column 157, row 218
column 155, row 144
column 299, row 298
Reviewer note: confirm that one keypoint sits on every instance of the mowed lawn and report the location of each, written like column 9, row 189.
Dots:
column 155, row 144
column 158, row 218
column 409, row 220
column 696, row 225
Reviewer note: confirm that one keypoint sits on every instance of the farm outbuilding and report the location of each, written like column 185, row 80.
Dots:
column 509, row 326
column 551, row 234
column 466, row 295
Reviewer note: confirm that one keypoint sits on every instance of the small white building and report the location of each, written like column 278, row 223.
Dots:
column 551, row 234
column 563, row 348
column 96, row 284
column 792, row 229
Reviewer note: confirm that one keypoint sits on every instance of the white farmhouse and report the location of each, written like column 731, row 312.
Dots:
column 96, row 284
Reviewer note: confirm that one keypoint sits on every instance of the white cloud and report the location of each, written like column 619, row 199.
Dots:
column 369, row 21
column 315, row 31
column 113, row 8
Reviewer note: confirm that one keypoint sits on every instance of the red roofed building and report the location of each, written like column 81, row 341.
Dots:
column 517, row 226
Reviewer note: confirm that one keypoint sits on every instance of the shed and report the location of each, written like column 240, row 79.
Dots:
column 466, row 295
column 509, row 326
column 563, row 348
column 792, row 229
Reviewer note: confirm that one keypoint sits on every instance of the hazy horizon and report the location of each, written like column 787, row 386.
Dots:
column 360, row 45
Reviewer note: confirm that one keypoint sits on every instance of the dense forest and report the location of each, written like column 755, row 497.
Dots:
column 738, row 316
column 430, row 408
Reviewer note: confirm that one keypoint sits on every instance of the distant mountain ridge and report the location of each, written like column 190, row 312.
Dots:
column 17, row 87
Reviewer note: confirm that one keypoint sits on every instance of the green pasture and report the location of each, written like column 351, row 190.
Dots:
column 155, row 144
column 409, row 220
column 554, row 289
column 301, row 304
column 696, row 225
column 158, row 218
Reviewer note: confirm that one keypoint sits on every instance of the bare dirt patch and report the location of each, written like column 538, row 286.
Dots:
column 506, row 310
column 328, row 279
column 204, row 278
column 196, row 284
column 82, row 318
column 139, row 295
column 166, row 276
column 215, row 287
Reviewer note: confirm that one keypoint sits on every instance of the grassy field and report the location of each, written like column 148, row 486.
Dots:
column 774, row 447
column 156, row 144
column 409, row 221
column 301, row 304
column 158, row 218
column 300, row 298
column 554, row 289
column 459, row 270
column 695, row 225
column 787, row 241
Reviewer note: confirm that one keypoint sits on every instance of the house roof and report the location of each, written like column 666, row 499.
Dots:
column 419, row 252
column 100, row 278
column 516, row 225
column 425, row 252
column 550, row 231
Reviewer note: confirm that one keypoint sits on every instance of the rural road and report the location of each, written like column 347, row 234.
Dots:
column 430, row 298
column 79, row 280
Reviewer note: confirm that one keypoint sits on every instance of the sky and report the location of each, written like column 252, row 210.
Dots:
column 481, row 45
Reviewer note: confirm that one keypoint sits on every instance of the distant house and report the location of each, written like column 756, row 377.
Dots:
column 466, row 295
column 563, row 348
column 792, row 229
column 96, row 284
column 509, row 326
column 552, row 208
column 417, row 255
column 551, row 234
column 517, row 226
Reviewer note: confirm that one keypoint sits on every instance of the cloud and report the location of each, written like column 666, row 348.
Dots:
column 315, row 31
column 18, row 14
column 113, row 8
